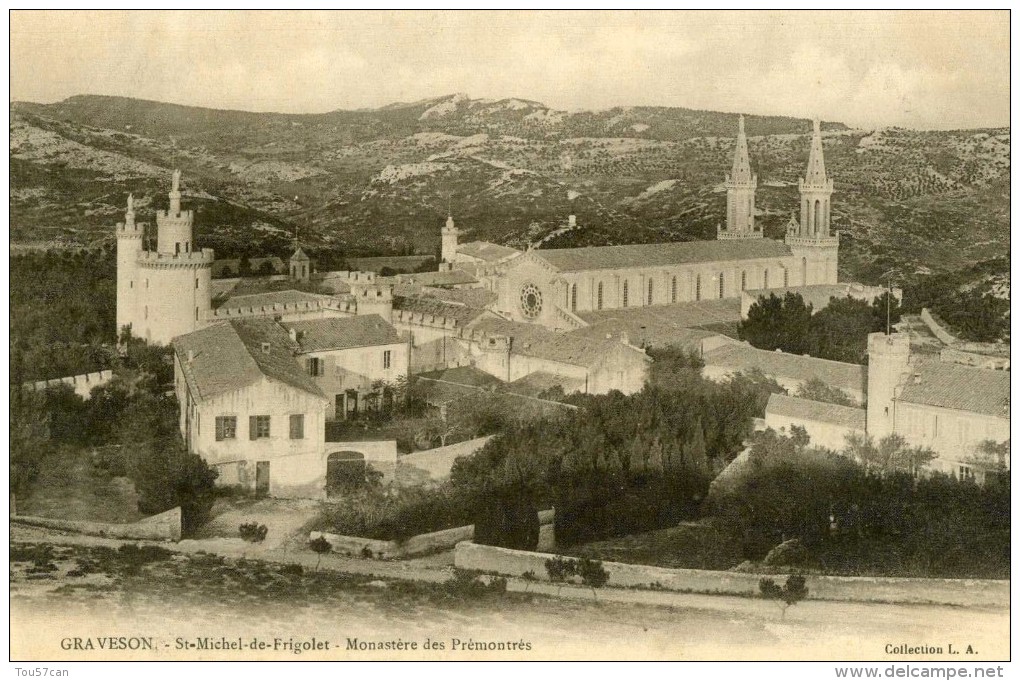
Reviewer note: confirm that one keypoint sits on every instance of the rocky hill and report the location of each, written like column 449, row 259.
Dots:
column 381, row 181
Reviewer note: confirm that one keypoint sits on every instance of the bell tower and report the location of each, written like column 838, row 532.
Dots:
column 450, row 234
column 815, row 249
column 741, row 184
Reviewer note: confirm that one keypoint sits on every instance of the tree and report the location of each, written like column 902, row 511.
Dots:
column 776, row 323
column 29, row 436
column 890, row 454
column 819, row 391
column 592, row 574
column 840, row 330
column 321, row 546
column 793, row 591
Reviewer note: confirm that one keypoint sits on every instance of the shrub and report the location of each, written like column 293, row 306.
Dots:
column 397, row 514
column 791, row 552
column 470, row 585
column 321, row 546
column 793, row 591
column 510, row 522
column 592, row 574
column 253, row 532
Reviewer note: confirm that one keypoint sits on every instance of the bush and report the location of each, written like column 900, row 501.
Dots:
column 510, row 522
column 793, row 591
column 253, row 532
column 321, row 546
column 790, row 552
column 397, row 514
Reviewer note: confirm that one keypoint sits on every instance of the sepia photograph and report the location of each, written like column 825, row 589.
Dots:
column 510, row 336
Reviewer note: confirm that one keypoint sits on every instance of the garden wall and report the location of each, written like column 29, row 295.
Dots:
column 164, row 526
column 964, row 592
column 431, row 542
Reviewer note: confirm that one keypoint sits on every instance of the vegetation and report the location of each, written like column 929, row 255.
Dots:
column 819, row 391
column 396, row 514
column 321, row 546
column 793, row 591
column 857, row 520
column 838, row 332
column 253, row 532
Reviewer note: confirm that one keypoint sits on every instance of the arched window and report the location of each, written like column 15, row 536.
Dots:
column 600, row 296
column 697, row 288
column 573, row 297
column 650, row 291
column 625, row 294
column 818, row 216
column 722, row 285
column 743, row 281
column 672, row 291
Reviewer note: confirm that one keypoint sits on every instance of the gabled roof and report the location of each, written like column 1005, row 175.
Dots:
column 487, row 251
column 580, row 350
column 742, row 357
column 658, row 255
column 299, row 255
column 270, row 298
column 955, row 386
column 448, row 278
column 229, row 356
column 851, row 418
column 343, row 333
column 428, row 305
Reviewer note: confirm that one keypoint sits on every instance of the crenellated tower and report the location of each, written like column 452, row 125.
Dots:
column 815, row 248
column 129, row 246
column 741, row 184
column 166, row 292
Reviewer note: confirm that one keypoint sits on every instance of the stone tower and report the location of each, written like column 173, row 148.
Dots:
column 816, row 251
column 450, row 234
column 129, row 246
column 740, row 187
column 888, row 368
column 174, row 281
column 300, row 266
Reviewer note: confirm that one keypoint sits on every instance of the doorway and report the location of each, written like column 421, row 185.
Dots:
column 262, row 478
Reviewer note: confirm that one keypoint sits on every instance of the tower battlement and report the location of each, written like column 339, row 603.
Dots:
column 131, row 230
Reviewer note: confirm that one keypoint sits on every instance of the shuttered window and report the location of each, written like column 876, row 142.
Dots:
column 258, row 427
column 297, row 426
column 226, row 427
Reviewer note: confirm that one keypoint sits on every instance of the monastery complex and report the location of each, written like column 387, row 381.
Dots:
column 259, row 375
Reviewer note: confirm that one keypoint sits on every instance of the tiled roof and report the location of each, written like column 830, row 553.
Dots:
column 955, row 386
column 851, row 418
column 648, row 332
column 741, row 357
column 448, row 278
column 571, row 348
column 229, row 356
column 270, row 298
column 537, row 382
column 487, row 251
column 521, row 332
column 427, row 305
column 478, row 298
column 656, row 255
column 342, row 333
column 681, row 315
column 469, row 376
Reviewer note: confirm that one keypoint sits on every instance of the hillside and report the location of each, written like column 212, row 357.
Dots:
column 380, row 181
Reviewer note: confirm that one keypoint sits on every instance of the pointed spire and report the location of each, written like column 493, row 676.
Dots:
column 741, row 172
column 816, row 161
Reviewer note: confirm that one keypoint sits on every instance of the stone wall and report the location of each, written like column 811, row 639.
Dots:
column 82, row 384
column 963, row 592
column 164, row 526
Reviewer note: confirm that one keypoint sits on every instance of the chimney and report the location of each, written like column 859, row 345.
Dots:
column 265, row 348
column 572, row 220
column 293, row 334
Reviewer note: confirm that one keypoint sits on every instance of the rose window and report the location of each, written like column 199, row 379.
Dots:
column 531, row 300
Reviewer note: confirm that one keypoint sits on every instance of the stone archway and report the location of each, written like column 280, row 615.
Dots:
column 345, row 470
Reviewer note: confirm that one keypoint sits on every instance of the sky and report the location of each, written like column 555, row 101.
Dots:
column 929, row 70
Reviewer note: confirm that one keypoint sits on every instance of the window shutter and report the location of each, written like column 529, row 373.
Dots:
column 252, row 428
column 219, row 428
